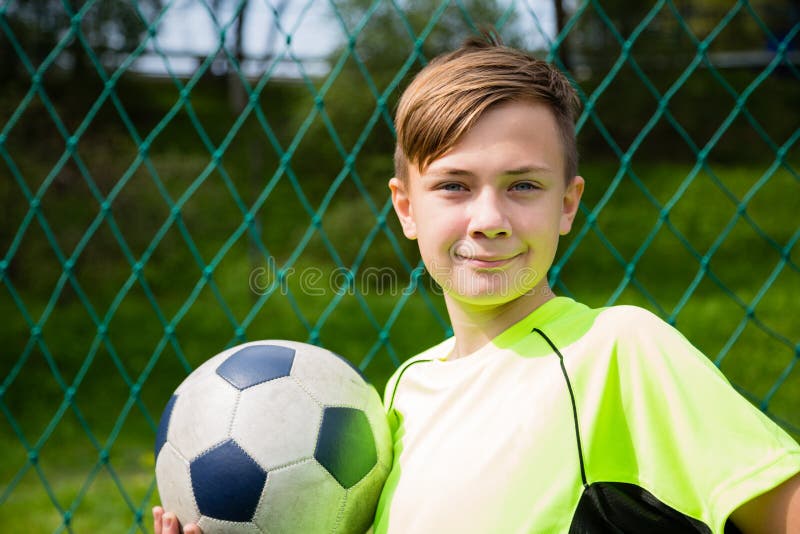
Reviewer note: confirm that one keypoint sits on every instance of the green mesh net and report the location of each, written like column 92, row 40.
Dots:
column 160, row 205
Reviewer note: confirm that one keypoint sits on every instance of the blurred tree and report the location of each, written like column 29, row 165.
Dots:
column 744, row 31
column 561, row 22
column 387, row 38
column 232, row 40
column 382, row 44
column 110, row 28
column 594, row 43
column 665, row 44
column 596, row 36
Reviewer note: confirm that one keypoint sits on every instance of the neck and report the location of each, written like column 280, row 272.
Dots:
column 475, row 325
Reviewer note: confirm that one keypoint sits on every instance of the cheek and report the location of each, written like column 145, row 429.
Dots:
column 544, row 224
column 432, row 245
column 440, row 228
column 435, row 241
column 433, row 259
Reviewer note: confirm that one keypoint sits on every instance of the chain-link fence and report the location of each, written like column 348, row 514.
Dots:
column 159, row 207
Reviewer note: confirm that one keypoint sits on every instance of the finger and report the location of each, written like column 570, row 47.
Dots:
column 171, row 525
column 158, row 514
column 191, row 528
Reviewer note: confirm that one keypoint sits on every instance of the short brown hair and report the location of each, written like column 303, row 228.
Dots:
column 449, row 95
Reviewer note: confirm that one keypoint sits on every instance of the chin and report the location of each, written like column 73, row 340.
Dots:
column 485, row 299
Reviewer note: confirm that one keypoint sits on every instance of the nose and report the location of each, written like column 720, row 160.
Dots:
column 487, row 216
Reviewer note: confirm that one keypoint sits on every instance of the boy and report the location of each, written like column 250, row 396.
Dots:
column 541, row 414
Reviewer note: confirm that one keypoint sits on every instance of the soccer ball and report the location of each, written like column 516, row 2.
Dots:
column 273, row 437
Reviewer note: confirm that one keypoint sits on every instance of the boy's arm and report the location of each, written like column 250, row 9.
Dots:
column 775, row 512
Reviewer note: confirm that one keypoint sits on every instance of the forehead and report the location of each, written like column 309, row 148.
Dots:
column 507, row 136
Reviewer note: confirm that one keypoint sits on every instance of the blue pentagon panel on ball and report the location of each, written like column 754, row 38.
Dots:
column 346, row 445
column 163, row 424
column 256, row 364
column 227, row 483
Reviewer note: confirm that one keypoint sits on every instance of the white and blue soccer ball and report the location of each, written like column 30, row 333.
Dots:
column 273, row 437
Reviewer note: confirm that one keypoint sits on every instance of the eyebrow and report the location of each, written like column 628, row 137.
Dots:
column 519, row 171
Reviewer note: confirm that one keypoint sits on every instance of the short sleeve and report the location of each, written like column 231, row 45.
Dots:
column 698, row 442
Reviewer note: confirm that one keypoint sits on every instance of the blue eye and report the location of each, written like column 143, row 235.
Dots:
column 452, row 186
column 524, row 186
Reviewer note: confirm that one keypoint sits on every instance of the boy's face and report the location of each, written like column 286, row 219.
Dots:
column 488, row 214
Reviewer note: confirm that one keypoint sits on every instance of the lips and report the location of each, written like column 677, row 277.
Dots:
column 488, row 261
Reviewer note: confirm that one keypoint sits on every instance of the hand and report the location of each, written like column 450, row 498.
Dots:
column 167, row 523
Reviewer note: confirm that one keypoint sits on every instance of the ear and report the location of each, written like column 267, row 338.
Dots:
column 402, row 207
column 570, row 204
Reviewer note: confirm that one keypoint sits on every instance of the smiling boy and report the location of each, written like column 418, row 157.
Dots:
column 541, row 414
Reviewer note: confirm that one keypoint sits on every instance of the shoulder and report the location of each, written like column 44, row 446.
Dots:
column 630, row 319
column 643, row 342
column 632, row 326
column 616, row 326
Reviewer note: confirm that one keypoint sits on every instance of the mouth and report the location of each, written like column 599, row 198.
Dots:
column 486, row 262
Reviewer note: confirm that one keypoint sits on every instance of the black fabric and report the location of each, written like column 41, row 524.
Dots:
column 620, row 508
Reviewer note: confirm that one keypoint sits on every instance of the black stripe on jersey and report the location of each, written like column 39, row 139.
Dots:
column 397, row 382
column 572, row 400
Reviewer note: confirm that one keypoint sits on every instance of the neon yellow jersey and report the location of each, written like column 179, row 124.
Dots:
column 575, row 420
